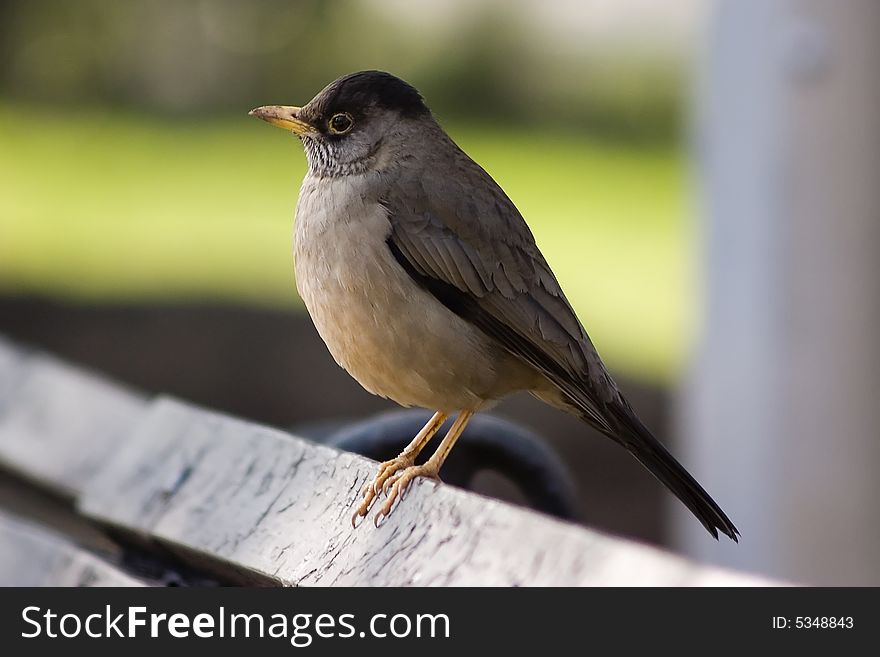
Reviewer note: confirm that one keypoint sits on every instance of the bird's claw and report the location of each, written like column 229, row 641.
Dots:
column 393, row 481
column 395, row 488
column 389, row 482
column 369, row 496
column 387, row 471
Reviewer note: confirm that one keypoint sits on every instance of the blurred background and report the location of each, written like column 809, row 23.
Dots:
column 686, row 167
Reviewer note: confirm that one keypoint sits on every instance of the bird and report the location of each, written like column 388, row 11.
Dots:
column 427, row 286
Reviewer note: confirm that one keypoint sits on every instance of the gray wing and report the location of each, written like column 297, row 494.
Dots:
column 474, row 252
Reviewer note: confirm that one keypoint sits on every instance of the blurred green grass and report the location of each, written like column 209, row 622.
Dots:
column 96, row 205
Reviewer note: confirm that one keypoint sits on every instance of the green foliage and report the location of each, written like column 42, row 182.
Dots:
column 104, row 206
column 486, row 60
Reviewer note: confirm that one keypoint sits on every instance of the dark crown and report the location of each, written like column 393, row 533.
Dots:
column 357, row 91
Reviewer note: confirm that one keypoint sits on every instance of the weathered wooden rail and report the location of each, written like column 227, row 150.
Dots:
column 245, row 503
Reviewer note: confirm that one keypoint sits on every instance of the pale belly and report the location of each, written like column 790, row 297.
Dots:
column 394, row 338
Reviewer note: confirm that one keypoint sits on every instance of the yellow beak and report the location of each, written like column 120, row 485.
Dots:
column 282, row 116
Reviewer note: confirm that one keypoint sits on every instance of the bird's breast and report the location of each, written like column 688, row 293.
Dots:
column 339, row 247
column 397, row 340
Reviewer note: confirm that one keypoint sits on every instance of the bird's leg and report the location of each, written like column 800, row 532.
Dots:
column 403, row 460
column 396, row 485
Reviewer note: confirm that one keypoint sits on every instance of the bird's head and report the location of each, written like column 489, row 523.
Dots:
column 355, row 124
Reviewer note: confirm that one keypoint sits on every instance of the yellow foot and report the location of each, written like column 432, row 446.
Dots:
column 396, row 485
column 369, row 492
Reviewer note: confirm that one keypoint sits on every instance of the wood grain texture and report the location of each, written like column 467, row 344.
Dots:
column 265, row 507
column 33, row 556
column 58, row 424
column 257, row 505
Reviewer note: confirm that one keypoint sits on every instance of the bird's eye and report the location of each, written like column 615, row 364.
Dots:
column 340, row 123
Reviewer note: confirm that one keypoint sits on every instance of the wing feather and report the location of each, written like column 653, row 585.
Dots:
column 483, row 256
column 475, row 254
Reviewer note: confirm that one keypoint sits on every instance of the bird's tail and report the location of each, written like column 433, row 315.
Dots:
column 619, row 422
column 651, row 453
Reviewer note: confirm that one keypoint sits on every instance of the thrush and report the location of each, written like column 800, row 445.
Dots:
column 426, row 284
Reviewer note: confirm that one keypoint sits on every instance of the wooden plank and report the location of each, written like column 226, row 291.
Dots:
column 58, row 423
column 33, row 556
column 246, row 499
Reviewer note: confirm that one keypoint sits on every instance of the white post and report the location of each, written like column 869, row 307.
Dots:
column 781, row 411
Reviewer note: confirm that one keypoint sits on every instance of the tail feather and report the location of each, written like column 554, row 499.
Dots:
column 621, row 424
column 651, row 453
